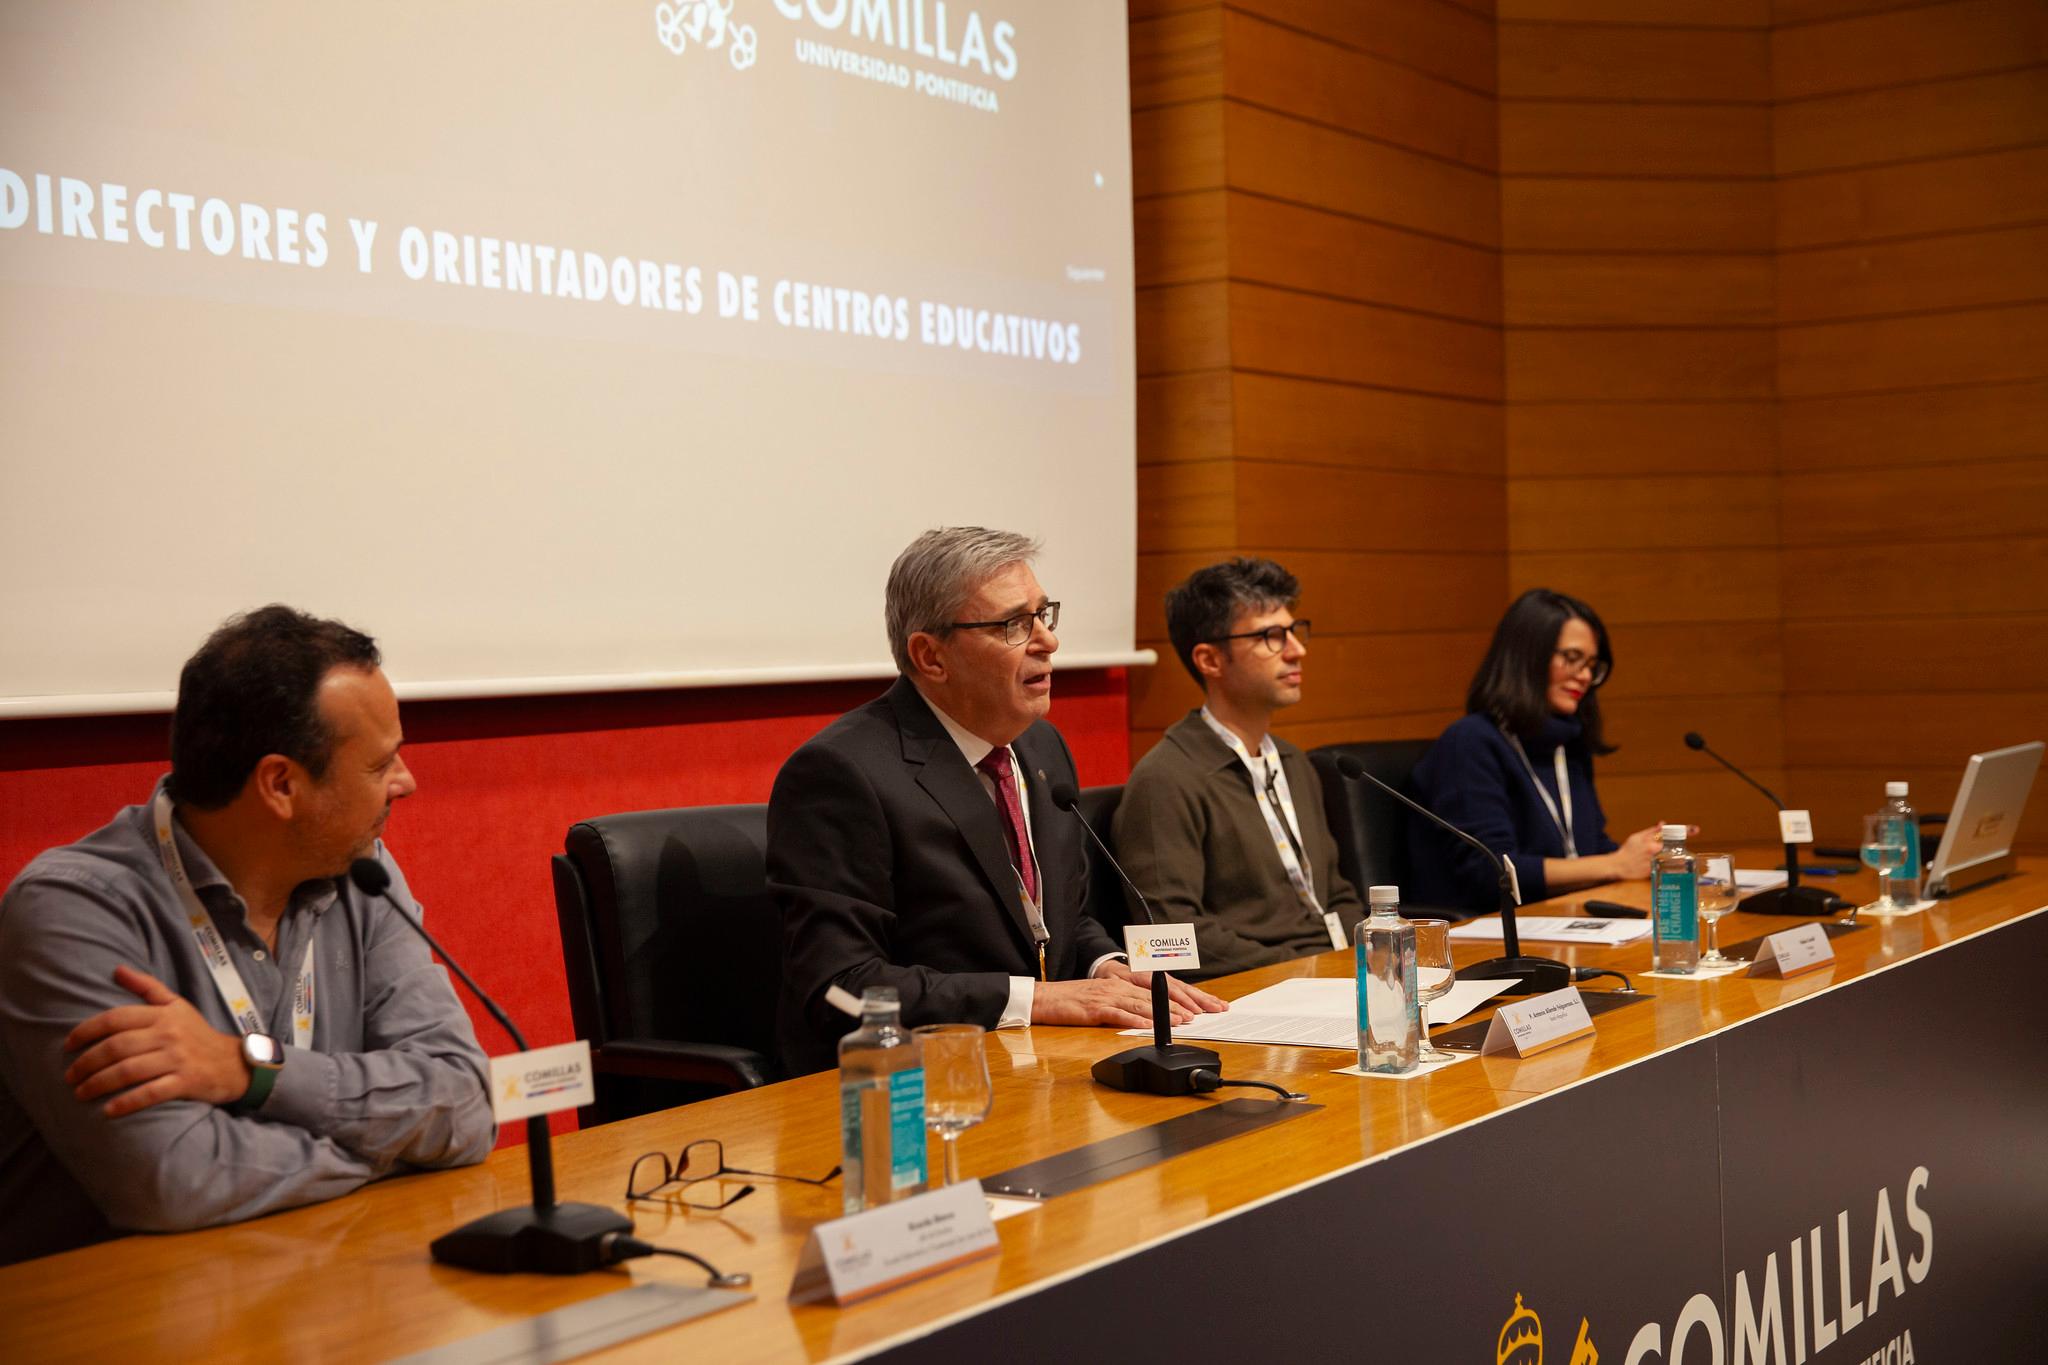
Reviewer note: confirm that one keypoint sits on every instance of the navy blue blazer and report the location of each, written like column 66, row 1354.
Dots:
column 1474, row 779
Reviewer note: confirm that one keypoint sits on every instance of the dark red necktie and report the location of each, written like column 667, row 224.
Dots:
column 996, row 763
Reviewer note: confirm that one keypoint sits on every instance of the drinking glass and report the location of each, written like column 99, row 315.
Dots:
column 1718, row 894
column 1435, row 974
column 957, row 1091
column 1884, row 850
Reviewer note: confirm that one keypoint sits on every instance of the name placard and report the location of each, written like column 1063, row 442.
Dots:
column 1530, row 1026
column 1795, row 826
column 1162, row 947
column 1792, row 951
column 542, row 1081
column 872, row 1252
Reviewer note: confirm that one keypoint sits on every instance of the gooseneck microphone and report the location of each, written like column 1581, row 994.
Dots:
column 552, row 1238
column 1533, row 973
column 1166, row 1067
column 1791, row 898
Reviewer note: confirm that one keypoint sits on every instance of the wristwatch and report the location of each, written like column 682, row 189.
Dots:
column 264, row 1056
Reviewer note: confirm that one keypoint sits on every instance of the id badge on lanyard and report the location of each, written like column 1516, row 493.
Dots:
column 1266, row 796
column 227, row 979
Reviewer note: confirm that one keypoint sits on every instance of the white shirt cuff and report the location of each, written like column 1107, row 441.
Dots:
column 1095, row 968
column 1017, row 1013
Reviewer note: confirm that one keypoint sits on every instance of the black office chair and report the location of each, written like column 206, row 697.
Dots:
column 1370, row 827
column 1107, row 899
column 674, row 954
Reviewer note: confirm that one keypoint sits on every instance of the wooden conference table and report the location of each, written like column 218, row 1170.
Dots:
column 351, row 1279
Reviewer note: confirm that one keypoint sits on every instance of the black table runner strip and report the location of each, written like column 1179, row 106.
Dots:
column 1471, row 1037
column 1134, row 1151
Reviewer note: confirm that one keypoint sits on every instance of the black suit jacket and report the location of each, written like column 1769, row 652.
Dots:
column 887, row 859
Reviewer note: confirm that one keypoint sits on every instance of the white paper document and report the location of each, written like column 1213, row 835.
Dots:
column 1320, row 1011
column 1558, row 929
column 1749, row 879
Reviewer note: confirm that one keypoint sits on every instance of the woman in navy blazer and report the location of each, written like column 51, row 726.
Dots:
column 1517, row 770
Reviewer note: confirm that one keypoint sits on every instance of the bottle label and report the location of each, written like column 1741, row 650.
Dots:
column 1911, row 871
column 906, row 1129
column 1677, row 902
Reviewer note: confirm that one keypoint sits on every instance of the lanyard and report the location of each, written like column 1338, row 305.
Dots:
column 1564, row 791
column 234, row 993
column 1276, row 803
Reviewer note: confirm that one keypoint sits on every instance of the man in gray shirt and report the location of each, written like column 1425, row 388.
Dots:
column 201, row 1020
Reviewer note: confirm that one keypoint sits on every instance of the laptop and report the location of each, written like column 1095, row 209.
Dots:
column 1976, row 844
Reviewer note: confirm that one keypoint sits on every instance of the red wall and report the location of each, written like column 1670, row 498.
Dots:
column 500, row 781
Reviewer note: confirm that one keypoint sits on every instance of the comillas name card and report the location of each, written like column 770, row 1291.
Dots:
column 871, row 1252
column 1795, row 826
column 542, row 1081
column 1792, row 951
column 1530, row 1026
column 1162, row 947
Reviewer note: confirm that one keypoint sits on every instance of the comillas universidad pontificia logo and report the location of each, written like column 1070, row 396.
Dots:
column 684, row 24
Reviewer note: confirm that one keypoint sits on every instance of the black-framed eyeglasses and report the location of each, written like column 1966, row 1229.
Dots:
column 1272, row 639
column 1576, row 659
column 652, row 1173
column 1017, row 629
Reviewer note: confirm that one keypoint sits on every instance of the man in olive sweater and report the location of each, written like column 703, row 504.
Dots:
column 1221, row 824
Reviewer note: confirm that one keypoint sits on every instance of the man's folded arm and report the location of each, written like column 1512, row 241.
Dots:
column 173, row 1166
column 419, row 1093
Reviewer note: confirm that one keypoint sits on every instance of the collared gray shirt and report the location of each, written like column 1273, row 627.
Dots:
column 394, row 1078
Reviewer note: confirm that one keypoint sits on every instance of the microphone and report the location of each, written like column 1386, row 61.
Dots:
column 1166, row 1067
column 552, row 1238
column 1534, row 973
column 1791, row 898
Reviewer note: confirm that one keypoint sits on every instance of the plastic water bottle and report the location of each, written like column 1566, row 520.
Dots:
column 1907, row 881
column 1675, row 906
column 881, row 1105
column 1389, row 1007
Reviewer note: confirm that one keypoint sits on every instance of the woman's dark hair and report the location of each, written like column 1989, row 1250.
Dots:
column 1514, row 677
column 251, row 690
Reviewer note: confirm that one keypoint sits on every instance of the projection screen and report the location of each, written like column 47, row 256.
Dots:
column 564, row 347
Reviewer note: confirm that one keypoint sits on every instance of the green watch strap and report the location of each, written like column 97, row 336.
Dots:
column 262, row 1079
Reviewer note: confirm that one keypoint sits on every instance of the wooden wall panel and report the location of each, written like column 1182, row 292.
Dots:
column 1694, row 658
column 1176, row 149
column 1303, row 75
column 1623, row 363
column 1184, row 417
column 1982, row 501
column 1352, row 591
column 1177, row 58
column 1709, row 509
column 1321, row 507
column 1634, row 62
column 1304, row 163
column 1904, row 47
column 1979, row 346
column 1546, row 440
column 1433, row 38
column 1649, row 732
column 1942, row 118
column 1661, row 13
column 1953, row 270
column 1918, row 426
column 1287, row 332
column 1569, row 214
column 1865, row 729
column 1914, row 590
column 1648, row 585
column 1179, row 239
column 1693, row 140
column 1727, row 810
column 1960, row 651
column 1953, row 194
column 1315, row 251
column 1636, row 289
column 1318, row 422
column 1183, row 327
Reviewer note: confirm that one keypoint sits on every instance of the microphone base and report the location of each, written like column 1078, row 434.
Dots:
column 563, row 1239
column 1533, row 975
column 1155, row 1070
column 1793, row 900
